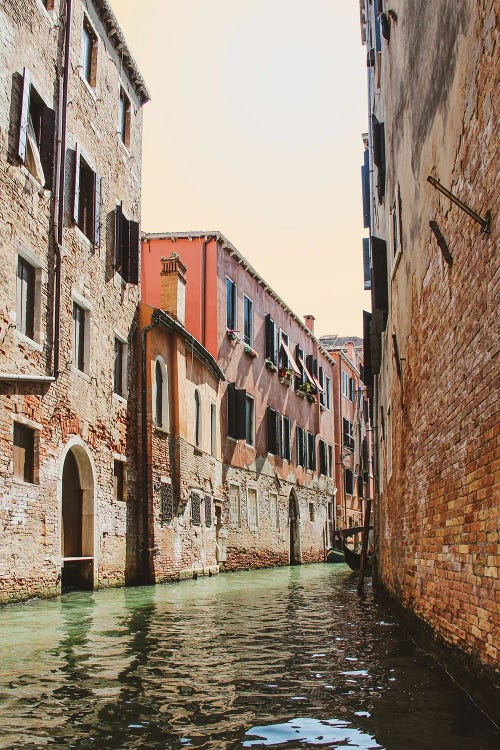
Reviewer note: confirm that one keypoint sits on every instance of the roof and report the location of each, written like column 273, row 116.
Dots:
column 231, row 249
column 117, row 38
column 338, row 342
column 170, row 324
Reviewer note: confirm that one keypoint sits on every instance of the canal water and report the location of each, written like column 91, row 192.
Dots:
column 285, row 658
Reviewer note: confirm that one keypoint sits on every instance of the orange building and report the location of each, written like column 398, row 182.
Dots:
column 274, row 409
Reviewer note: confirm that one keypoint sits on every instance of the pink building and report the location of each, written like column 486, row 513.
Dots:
column 274, row 412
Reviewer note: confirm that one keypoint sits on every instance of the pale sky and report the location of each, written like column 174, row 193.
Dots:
column 254, row 129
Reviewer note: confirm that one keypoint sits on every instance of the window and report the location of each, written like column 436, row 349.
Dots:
column 79, row 337
column 197, row 418
column 24, row 453
column 271, row 347
column 120, row 368
column 352, row 389
column 25, row 303
column 360, row 486
column 89, row 54
column 322, row 393
column 274, row 515
column 208, row 511
column 124, row 118
column 311, row 451
column 247, row 320
column 323, row 458
column 249, row 420
column 330, row 460
column 161, row 411
column 231, row 295
column 283, row 361
column 378, row 146
column 300, row 445
column 119, row 481
column 311, row 511
column 286, row 443
column 299, row 358
column 87, row 202
column 348, row 434
column 127, row 239
column 253, row 514
column 236, row 412
column 213, row 429
column 328, row 393
column 36, row 134
column 234, row 505
column 349, row 482
column 273, row 430
column 345, row 384
column 166, row 503
column 195, row 509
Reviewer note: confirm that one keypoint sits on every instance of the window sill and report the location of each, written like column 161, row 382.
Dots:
column 397, row 259
column 161, row 430
column 120, row 399
column 88, row 87
column 83, row 238
column 123, row 146
column 24, row 483
column 27, row 340
column 81, row 374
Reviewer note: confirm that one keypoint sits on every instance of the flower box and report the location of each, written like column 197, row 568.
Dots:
column 270, row 365
column 250, row 351
column 232, row 335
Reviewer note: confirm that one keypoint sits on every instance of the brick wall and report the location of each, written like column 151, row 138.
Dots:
column 78, row 412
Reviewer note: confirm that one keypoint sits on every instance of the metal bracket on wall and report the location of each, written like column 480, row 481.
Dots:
column 485, row 223
column 441, row 242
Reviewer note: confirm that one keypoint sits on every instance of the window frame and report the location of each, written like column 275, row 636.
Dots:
column 123, row 389
column 254, row 490
column 328, row 393
column 119, row 494
column 347, row 434
column 165, row 394
column 124, row 117
column 25, row 469
column 230, row 284
column 213, row 428
column 81, row 342
column 87, row 203
column 250, row 338
column 274, row 512
column 90, row 60
column 250, row 400
column 232, row 523
column 198, row 426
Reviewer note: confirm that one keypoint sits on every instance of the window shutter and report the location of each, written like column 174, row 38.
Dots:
column 367, row 274
column 76, row 192
column 25, row 113
column 270, row 338
column 118, row 237
column 380, row 290
column 365, row 186
column 322, row 384
column 241, row 406
column 134, row 253
column 47, row 145
column 208, row 511
column 231, row 410
column 125, row 246
column 309, row 363
column 97, row 210
column 272, row 431
column 315, row 367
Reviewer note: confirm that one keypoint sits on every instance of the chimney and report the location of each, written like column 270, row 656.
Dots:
column 173, row 287
column 309, row 320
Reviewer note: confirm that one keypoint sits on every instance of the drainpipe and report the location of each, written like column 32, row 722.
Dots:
column 59, row 183
column 146, row 568
column 204, row 290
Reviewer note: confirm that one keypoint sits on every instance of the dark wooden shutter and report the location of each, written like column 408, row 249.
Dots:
column 231, row 410
column 270, row 339
column 380, row 289
column 367, row 273
column 97, row 209
column 241, row 413
column 118, row 238
column 134, row 252
column 125, row 243
column 76, row 186
column 309, row 363
column 47, row 145
column 272, row 431
column 365, row 184
column 24, row 116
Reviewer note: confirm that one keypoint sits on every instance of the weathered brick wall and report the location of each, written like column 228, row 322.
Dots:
column 79, row 408
column 438, row 515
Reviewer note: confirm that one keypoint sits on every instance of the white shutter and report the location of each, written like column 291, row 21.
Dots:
column 76, row 203
column 25, row 113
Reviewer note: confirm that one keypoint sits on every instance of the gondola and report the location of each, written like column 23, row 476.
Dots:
column 352, row 558
column 334, row 555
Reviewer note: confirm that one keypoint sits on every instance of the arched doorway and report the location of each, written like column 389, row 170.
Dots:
column 294, row 524
column 77, row 519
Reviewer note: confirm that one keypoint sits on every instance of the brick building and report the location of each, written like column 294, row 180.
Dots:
column 352, row 425
column 432, row 199
column 274, row 409
column 70, row 175
column 180, row 441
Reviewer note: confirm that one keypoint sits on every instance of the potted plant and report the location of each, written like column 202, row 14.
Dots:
column 270, row 365
column 250, row 350
column 231, row 334
column 285, row 375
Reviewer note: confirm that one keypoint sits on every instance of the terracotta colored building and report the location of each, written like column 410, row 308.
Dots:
column 274, row 409
column 70, row 173
column 352, row 424
column 431, row 339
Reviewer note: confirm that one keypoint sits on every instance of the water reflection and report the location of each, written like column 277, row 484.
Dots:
column 287, row 658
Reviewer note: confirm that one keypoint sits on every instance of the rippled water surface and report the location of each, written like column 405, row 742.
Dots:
column 284, row 658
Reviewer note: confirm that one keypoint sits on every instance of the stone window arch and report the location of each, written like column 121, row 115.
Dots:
column 161, row 411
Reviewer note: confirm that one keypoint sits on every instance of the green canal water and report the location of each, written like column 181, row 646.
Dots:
column 284, row 658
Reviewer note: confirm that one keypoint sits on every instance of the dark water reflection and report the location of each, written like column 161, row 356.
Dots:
column 285, row 658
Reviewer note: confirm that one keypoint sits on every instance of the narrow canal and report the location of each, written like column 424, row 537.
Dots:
column 283, row 658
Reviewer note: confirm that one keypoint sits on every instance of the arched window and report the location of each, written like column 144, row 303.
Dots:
column 160, row 395
column 197, row 418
